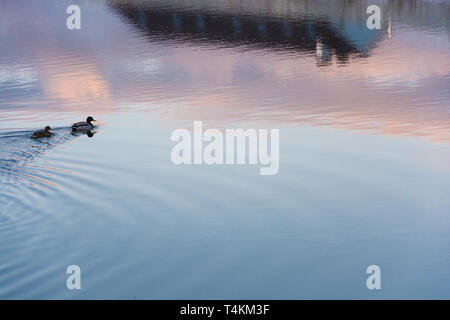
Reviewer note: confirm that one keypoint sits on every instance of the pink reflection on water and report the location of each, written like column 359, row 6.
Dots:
column 400, row 88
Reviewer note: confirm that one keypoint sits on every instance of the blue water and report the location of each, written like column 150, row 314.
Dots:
column 364, row 174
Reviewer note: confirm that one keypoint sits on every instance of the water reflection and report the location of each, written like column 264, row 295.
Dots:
column 260, row 61
column 335, row 26
column 241, row 29
column 88, row 133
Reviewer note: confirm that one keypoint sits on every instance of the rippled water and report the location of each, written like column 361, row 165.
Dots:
column 364, row 149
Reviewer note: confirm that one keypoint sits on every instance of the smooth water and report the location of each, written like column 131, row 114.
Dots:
column 364, row 149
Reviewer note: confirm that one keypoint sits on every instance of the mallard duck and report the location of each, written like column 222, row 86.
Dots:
column 44, row 133
column 84, row 126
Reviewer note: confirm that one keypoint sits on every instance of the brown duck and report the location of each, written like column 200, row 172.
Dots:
column 45, row 133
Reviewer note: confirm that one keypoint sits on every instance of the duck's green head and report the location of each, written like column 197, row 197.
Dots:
column 90, row 119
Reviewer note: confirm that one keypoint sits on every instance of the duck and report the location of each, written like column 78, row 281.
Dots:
column 84, row 125
column 44, row 133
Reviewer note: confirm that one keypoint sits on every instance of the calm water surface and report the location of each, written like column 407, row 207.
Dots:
column 364, row 149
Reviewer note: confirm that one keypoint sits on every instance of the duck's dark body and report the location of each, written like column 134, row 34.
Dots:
column 44, row 133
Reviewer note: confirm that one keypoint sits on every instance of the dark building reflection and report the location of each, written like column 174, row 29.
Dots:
column 236, row 28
